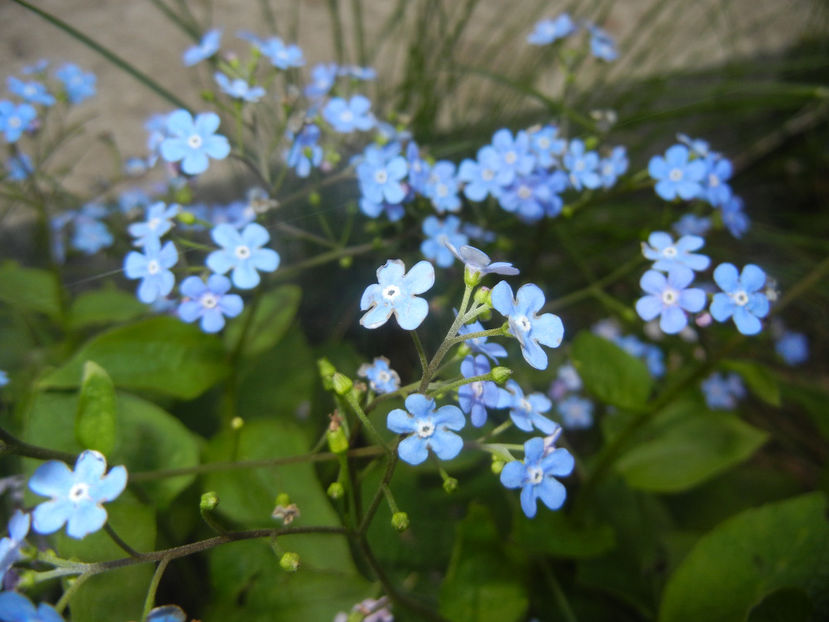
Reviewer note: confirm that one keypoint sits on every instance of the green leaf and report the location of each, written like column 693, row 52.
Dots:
column 758, row 378
column 95, row 418
column 273, row 315
column 556, row 534
column 30, row 289
column 750, row 556
column 159, row 354
column 609, row 373
column 690, row 449
column 104, row 306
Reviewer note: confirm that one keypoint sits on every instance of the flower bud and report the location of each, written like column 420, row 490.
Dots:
column 500, row 374
column 342, row 384
column 450, row 485
column 483, row 296
column 209, row 501
column 335, row 490
column 283, row 498
column 346, row 262
column 289, row 562
column 237, row 423
column 497, row 464
column 471, row 277
column 400, row 521
column 186, row 218
column 314, row 198
column 337, row 440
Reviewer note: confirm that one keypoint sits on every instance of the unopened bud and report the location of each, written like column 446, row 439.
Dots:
column 483, row 296
column 209, row 501
column 337, row 440
column 314, row 198
column 335, row 490
column 346, row 262
column 283, row 498
column 186, row 218
column 497, row 464
column 342, row 384
column 400, row 521
column 450, row 485
column 471, row 277
column 500, row 374
column 289, row 562
column 237, row 423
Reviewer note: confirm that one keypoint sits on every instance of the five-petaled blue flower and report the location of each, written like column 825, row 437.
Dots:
column 76, row 496
column 675, row 175
column 157, row 224
column 576, row 412
column 669, row 298
column 546, row 145
column 281, row 56
column 206, row 48
column 668, row 255
column 428, row 428
column 395, row 292
column 734, row 218
column 191, row 141
column 381, row 377
column 10, row 546
column 547, row 31
column 602, row 44
column 536, row 476
column 381, row 173
column 582, row 166
column 238, row 88
column 32, row 92
column 242, row 253
column 792, row 347
column 514, row 153
column 153, row 268
column 305, row 153
column 323, row 77
column 474, row 398
column 525, row 411
column 479, row 344
column 78, row 84
column 345, row 117
column 525, row 325
column 715, row 188
column 741, row 297
column 441, row 234
column 20, row 166
column 441, row 186
column 483, row 175
column 209, row 301
column 612, row 166
column 690, row 224
column 15, row 119
column 722, row 392
column 15, row 607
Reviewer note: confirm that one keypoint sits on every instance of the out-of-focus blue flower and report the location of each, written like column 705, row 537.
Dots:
column 38, row 67
column 90, row 235
column 15, row 607
column 792, row 347
column 531, row 197
column 207, row 47
column 167, row 613
column 692, row 225
column 10, row 546
column 153, row 268
column 654, row 359
column 582, row 165
column 668, row 255
column 741, row 297
column 393, row 211
column 419, row 172
column 525, row 325
column 675, row 175
column 576, row 413
column 723, row 392
column 479, row 344
column 474, row 398
column 15, row 119
column 242, row 253
column 478, row 263
column 4, row 378
column 132, row 199
column 484, row 175
column 698, row 147
column 20, row 166
column 669, row 298
column 734, row 218
column 536, row 476
column 612, row 166
column 237, row 214
column 305, row 153
column 209, row 302
column 381, row 377
column 323, row 77
column 135, row 167
column 238, row 88
column 440, row 233
column 546, row 146
column 715, row 188
column 77, row 84
column 428, row 428
column 567, row 379
column 381, row 175
column 547, row 31
column 158, row 222
column 32, row 92
column 156, row 127
column 191, row 141
column 396, row 293
column 347, row 116
column 281, row 55
column 514, row 153
column 441, row 187
column 76, row 496
column 365, row 74
column 525, row 412
column 476, row 232
column 602, row 44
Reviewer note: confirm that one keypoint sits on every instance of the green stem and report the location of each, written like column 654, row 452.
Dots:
column 421, row 353
column 13, row 445
column 119, row 541
column 351, row 398
column 447, row 341
column 491, row 332
column 558, row 593
column 149, row 601
column 451, row 386
column 70, row 591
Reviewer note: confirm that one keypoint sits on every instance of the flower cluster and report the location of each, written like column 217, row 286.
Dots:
column 547, row 31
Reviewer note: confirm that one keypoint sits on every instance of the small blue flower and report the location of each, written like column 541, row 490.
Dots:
column 715, row 188
column 4, row 378
column 668, row 255
column 477, row 262
column 167, row 613
column 792, row 347
column 602, row 44
column 20, row 167
column 692, row 225
column 612, row 166
column 567, row 379
column 237, row 214
column 323, row 77
column 242, row 253
column 419, row 172
column 38, row 67
column 90, row 235
column 153, row 268
column 76, row 496
column 345, row 117
column 395, row 293
column 734, row 218
column 576, row 413
column 206, row 48
column 536, row 475
column 525, row 412
column 723, row 392
column 77, row 84
column 32, row 92
column 441, row 187
column 525, row 325
column 158, row 222
column 156, row 127
column 514, row 153
column 582, row 166
column 381, row 174
column 676, row 175
column 476, row 232
column 305, row 153
column 428, row 428
column 358, row 73
column 669, row 298
column 381, row 377
column 532, row 197
column 479, row 344
column 484, row 175
column 547, row 31
column 15, row 607
column 441, row 233
column 393, row 211
column 193, row 140
column 474, row 398
column 135, row 167
column 15, row 119
column 547, row 146
column 238, row 88
column 282, row 56
column 698, row 147
column 10, row 546
column 741, row 297
column 209, row 302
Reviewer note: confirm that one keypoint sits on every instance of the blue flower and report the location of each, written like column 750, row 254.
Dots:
column 741, row 297
column 602, row 44
column 514, row 153
column 210, row 302
column 15, row 607
column 132, row 199
column 153, row 268
column 90, row 235
column 135, row 167
column 734, row 218
column 236, row 214
column 576, row 412
column 723, row 392
column 532, row 197
column 479, row 344
column 238, row 88
column 395, row 293
column 668, row 255
column 15, row 119
column 158, row 223
column 393, row 211
column 193, row 140
column 10, row 546
column 715, row 190
column 206, row 48
column 612, row 166
column 547, row 31
column 692, row 225
column 525, row 325
column 76, row 496
column 167, row 613
column 669, row 298
column 419, row 172
column 358, row 73
column 381, row 174
column 477, row 263
column 567, row 379
column 323, row 77
column 381, row 377
column 525, row 411
column 441, row 187
column 77, row 84
column 38, row 67
column 476, row 232
column 675, row 175
column 439, row 234
column 32, row 92
column 4, row 378
column 305, row 153
column 281, row 56
column 345, row 117
column 698, row 147
column 474, row 398
column 428, row 428
column 582, row 166
column 484, row 175
column 20, row 167
column 536, row 476
column 242, row 253
column 792, row 347
column 546, row 145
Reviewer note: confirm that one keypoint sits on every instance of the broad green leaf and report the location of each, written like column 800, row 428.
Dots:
column 95, row 419
column 609, row 373
column 29, row 289
column 750, row 556
column 160, row 354
column 104, row 306
column 273, row 315
column 690, row 450
column 556, row 534
column 758, row 378
column 482, row 583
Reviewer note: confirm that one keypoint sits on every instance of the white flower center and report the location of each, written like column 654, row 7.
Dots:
column 153, row 223
column 510, row 157
column 579, row 165
column 740, row 298
column 713, row 180
column 670, row 297
column 242, row 251
column 523, row 322
column 524, row 192
column 544, row 142
column 425, row 428
column 525, row 405
column 442, row 190
column 383, row 376
column 675, row 174
column 381, row 176
column 29, row 90
column 391, row 292
column 209, row 300
column 478, row 388
column 79, row 492
column 669, row 252
column 347, row 116
column 153, row 267
column 487, row 174
column 535, row 475
column 194, row 141
column 14, row 122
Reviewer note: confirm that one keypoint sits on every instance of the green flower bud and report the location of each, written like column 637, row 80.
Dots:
column 337, row 440
column 483, row 296
column 335, row 490
column 283, row 498
column 500, row 374
column 567, row 211
column 471, row 277
column 342, row 383
column 289, row 562
column 400, row 521
column 463, row 351
column 186, row 218
column 591, row 142
column 209, row 501
column 327, row 371
column 345, row 262
column 237, row 423
column 314, row 198
column 450, row 485
column 497, row 464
